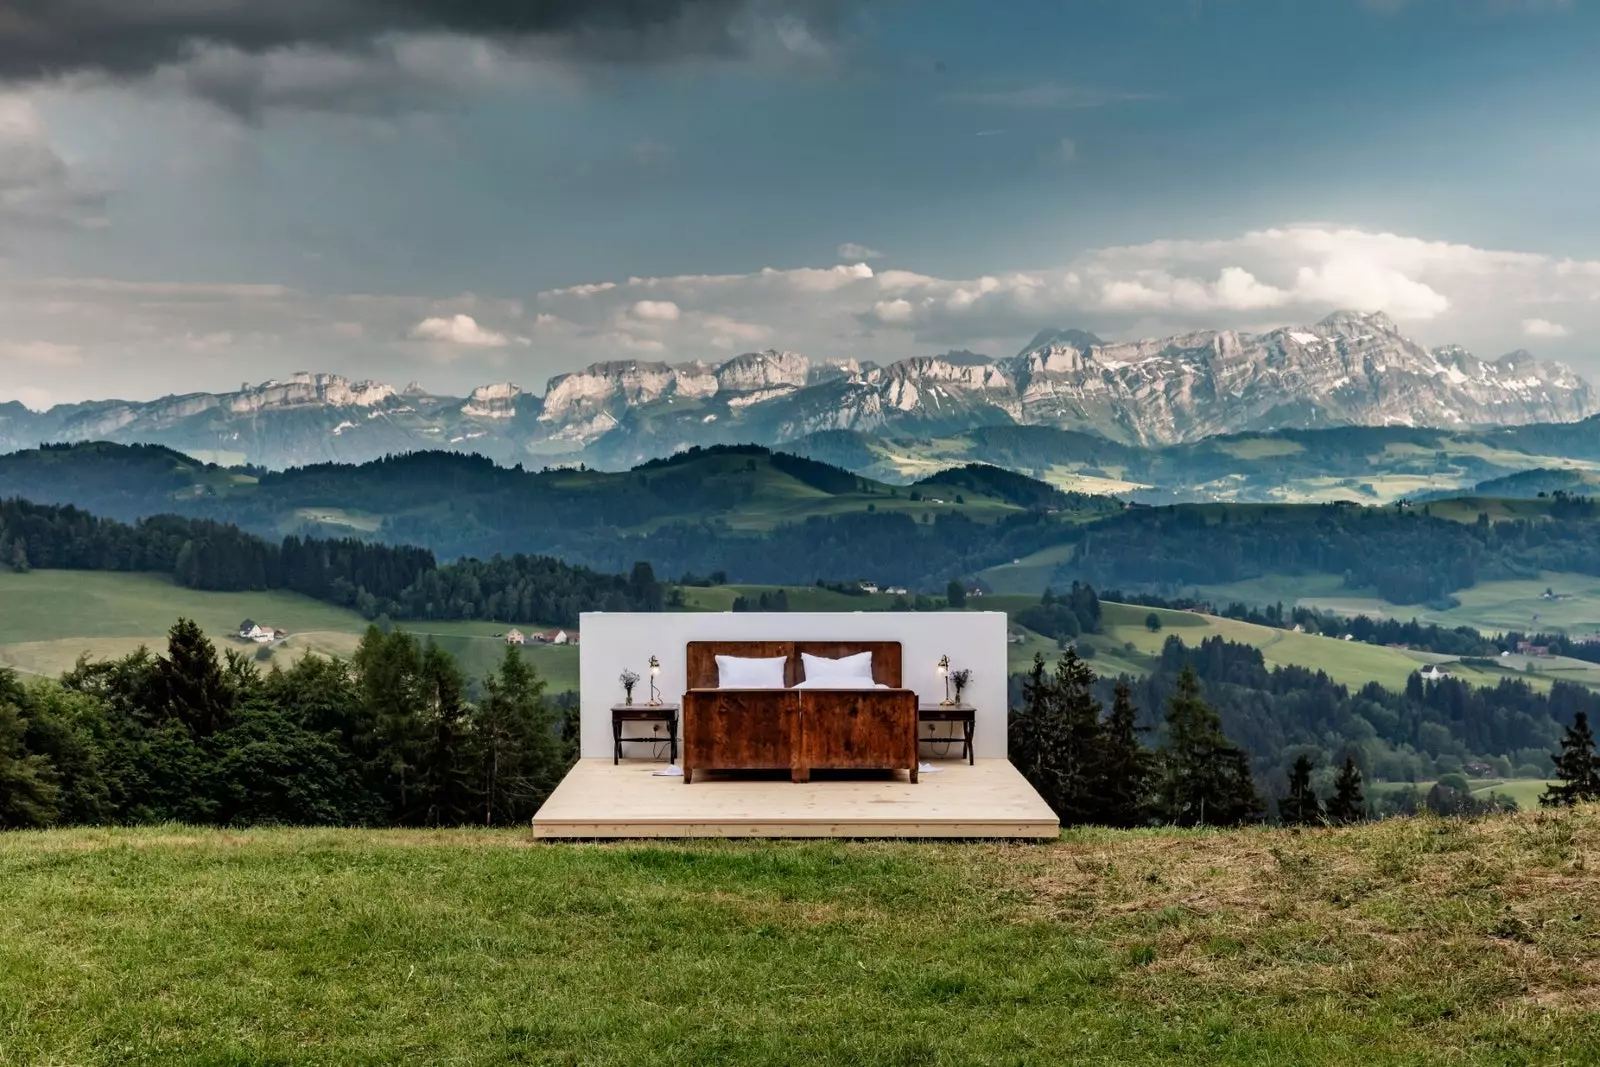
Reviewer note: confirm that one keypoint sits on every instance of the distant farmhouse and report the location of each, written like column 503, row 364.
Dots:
column 1433, row 673
column 553, row 637
column 250, row 630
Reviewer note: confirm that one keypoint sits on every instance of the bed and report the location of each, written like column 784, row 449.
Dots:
column 797, row 729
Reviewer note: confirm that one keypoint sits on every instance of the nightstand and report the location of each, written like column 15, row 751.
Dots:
column 965, row 714
column 663, row 713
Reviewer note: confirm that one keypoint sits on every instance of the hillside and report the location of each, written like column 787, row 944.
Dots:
column 50, row 618
column 757, row 514
column 1369, row 464
column 1414, row 941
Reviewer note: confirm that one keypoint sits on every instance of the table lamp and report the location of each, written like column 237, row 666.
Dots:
column 944, row 672
column 655, row 672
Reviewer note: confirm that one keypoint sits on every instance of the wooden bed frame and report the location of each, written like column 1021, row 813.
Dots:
column 797, row 730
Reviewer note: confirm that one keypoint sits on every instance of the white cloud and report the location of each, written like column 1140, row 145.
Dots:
column 459, row 329
column 656, row 311
column 136, row 338
column 1544, row 328
column 856, row 253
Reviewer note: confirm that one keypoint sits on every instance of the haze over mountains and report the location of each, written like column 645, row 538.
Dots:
column 1350, row 369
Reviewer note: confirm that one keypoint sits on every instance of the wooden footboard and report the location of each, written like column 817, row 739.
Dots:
column 868, row 729
column 799, row 730
column 740, row 729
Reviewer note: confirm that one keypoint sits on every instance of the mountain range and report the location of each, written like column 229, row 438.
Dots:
column 1350, row 369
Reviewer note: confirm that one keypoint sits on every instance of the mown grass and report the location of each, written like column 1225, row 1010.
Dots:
column 1415, row 941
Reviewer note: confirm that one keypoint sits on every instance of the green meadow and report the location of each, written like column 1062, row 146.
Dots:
column 1414, row 941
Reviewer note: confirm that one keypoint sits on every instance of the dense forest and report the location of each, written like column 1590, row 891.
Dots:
column 1405, row 554
column 372, row 578
column 393, row 737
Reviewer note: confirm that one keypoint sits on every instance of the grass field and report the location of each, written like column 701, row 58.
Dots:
column 1418, row 942
column 1492, row 607
column 1525, row 791
column 50, row 618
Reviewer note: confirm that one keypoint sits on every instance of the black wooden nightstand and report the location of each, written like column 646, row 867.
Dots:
column 621, row 713
column 965, row 714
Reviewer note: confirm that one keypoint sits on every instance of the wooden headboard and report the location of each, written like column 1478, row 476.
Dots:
column 702, row 658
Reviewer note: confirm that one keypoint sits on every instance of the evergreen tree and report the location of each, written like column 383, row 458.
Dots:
column 1204, row 780
column 1124, row 767
column 1347, row 804
column 518, row 752
column 1059, row 732
column 445, row 773
column 955, row 594
column 1300, row 807
column 28, row 783
column 1577, row 765
column 389, row 672
column 195, row 690
column 71, row 731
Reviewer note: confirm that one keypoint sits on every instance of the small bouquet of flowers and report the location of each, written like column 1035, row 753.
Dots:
column 628, row 679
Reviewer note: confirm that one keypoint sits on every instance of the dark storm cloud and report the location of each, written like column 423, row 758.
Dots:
column 130, row 38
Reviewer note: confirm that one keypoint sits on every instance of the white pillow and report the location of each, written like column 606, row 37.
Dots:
column 737, row 672
column 845, row 668
column 839, row 683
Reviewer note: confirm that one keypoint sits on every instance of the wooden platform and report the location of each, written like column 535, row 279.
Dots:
column 986, row 799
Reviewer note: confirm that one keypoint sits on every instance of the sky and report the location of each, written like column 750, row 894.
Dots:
column 201, row 194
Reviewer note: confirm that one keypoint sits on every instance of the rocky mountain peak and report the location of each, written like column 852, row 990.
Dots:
column 305, row 388
column 498, row 401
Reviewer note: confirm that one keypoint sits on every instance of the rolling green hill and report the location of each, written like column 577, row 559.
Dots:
column 701, row 510
column 1368, row 464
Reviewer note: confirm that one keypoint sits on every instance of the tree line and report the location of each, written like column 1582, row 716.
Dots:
column 1407, row 555
column 1093, row 767
column 375, row 579
column 394, row 737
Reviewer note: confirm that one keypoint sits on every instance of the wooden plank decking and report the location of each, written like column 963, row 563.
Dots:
column 987, row 799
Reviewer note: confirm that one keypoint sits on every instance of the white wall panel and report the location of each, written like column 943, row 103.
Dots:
column 612, row 641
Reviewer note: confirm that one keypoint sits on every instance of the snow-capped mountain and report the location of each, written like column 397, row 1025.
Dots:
column 1348, row 369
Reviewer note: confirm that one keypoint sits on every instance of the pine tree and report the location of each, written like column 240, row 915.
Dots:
column 1077, row 749
column 1204, row 780
column 517, row 749
column 196, row 691
column 1124, row 767
column 389, row 666
column 1577, row 765
column 19, row 556
column 956, row 594
column 444, row 766
column 1300, row 807
column 1347, row 804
